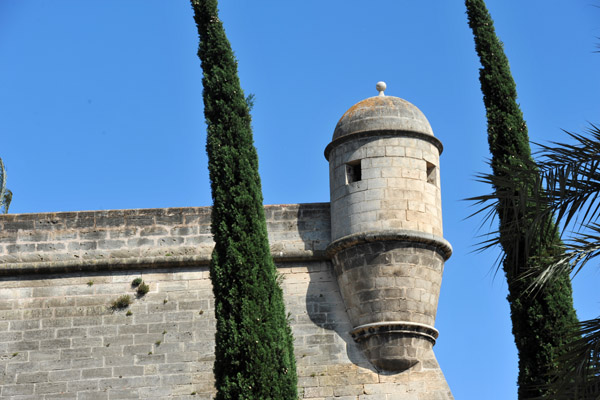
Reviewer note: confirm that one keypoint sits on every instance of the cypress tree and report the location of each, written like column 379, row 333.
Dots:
column 254, row 345
column 544, row 324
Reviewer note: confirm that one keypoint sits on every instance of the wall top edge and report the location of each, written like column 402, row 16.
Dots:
column 146, row 238
column 147, row 211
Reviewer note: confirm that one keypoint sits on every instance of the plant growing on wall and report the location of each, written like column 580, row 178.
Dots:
column 136, row 282
column 254, row 356
column 142, row 289
column 543, row 324
column 121, row 303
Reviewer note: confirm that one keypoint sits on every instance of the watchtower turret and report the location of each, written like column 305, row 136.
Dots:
column 386, row 219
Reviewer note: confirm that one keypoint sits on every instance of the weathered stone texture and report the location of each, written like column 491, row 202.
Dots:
column 390, row 281
column 59, row 338
column 399, row 186
column 116, row 238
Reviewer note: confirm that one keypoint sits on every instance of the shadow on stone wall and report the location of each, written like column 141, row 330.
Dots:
column 323, row 301
column 326, row 309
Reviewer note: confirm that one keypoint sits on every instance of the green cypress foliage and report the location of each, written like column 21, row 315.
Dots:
column 254, row 345
column 5, row 194
column 544, row 324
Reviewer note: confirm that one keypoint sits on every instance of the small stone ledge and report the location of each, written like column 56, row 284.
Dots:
column 441, row 244
column 398, row 327
column 113, row 264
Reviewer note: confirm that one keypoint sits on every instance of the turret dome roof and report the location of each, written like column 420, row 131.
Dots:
column 382, row 113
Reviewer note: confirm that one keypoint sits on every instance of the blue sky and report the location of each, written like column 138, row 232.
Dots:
column 101, row 108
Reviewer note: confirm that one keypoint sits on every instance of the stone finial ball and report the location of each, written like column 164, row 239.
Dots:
column 380, row 86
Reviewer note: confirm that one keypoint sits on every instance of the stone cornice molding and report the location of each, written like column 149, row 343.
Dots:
column 441, row 244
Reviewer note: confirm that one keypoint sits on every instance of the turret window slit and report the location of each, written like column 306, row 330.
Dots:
column 431, row 174
column 353, row 172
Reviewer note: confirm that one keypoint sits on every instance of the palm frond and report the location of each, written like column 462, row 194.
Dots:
column 571, row 177
column 578, row 374
column 522, row 209
column 562, row 189
column 584, row 247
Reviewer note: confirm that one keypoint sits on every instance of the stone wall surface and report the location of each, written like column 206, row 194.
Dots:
column 121, row 238
column 390, row 281
column 395, row 190
column 60, row 339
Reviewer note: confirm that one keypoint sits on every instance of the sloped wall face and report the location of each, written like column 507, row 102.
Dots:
column 390, row 281
column 61, row 339
column 391, row 290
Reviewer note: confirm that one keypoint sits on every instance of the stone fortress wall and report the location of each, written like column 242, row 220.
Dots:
column 361, row 280
column 59, row 338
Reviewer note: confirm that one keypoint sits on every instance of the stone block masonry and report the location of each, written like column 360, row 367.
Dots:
column 395, row 190
column 60, row 339
column 95, row 240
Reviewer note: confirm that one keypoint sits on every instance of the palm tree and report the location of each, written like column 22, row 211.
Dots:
column 564, row 186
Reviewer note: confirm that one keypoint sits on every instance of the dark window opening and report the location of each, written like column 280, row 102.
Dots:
column 353, row 171
column 431, row 174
